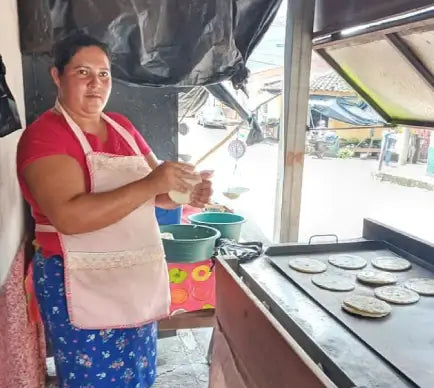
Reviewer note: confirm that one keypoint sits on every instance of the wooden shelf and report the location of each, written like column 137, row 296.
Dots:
column 192, row 320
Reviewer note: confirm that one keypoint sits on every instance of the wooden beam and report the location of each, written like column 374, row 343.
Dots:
column 335, row 15
column 298, row 54
column 349, row 128
column 414, row 123
column 191, row 320
column 374, row 33
column 405, row 51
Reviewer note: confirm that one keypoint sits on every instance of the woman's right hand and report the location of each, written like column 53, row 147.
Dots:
column 170, row 176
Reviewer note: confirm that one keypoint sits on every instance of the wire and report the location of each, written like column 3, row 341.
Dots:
column 264, row 63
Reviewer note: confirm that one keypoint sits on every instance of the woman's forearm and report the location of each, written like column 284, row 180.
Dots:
column 92, row 211
column 58, row 187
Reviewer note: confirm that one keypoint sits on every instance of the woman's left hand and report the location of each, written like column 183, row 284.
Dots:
column 202, row 191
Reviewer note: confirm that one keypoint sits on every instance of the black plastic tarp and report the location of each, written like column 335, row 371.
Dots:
column 157, row 43
column 191, row 101
column 9, row 118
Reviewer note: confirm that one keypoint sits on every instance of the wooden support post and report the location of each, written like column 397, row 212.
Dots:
column 298, row 54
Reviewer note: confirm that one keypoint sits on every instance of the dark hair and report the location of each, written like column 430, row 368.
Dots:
column 65, row 49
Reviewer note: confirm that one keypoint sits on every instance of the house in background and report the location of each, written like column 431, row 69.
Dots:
column 333, row 104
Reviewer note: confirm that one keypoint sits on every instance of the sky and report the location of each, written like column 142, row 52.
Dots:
column 270, row 51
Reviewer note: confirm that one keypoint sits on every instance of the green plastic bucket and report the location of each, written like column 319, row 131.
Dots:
column 191, row 243
column 228, row 224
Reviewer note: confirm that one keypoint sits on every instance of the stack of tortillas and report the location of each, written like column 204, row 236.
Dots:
column 388, row 263
column 348, row 261
column 307, row 265
column 376, row 277
column 396, row 294
column 422, row 286
column 366, row 306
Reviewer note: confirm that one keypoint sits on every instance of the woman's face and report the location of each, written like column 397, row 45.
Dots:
column 85, row 85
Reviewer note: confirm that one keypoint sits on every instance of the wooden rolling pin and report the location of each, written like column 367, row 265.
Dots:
column 218, row 145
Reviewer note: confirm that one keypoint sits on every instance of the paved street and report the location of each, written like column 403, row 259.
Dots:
column 337, row 194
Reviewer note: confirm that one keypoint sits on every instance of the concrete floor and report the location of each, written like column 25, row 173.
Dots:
column 181, row 361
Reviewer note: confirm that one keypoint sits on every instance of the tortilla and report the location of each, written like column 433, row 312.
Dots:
column 423, row 286
column 366, row 306
column 396, row 294
column 390, row 263
column 376, row 277
column 307, row 265
column 348, row 261
column 354, row 311
column 334, row 282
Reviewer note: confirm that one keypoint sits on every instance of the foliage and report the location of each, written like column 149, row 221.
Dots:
column 345, row 153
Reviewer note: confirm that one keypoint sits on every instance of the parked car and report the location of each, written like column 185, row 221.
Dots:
column 211, row 116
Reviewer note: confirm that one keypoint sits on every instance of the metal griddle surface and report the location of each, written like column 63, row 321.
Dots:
column 405, row 338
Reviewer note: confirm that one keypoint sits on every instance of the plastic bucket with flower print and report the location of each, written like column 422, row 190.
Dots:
column 190, row 243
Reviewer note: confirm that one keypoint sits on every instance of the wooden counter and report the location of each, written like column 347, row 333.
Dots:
column 264, row 354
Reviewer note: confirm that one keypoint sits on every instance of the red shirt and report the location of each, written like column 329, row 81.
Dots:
column 51, row 135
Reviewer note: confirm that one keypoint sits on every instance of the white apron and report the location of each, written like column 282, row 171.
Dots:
column 115, row 277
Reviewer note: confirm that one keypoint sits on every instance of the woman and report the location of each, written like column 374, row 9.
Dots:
column 92, row 181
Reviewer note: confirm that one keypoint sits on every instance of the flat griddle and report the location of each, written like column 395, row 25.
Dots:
column 405, row 338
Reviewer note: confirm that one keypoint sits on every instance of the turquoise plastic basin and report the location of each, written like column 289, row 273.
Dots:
column 228, row 224
column 191, row 243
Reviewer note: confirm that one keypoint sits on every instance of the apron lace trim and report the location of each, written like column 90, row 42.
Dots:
column 107, row 260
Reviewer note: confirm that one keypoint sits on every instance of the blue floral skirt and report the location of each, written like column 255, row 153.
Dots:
column 91, row 358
